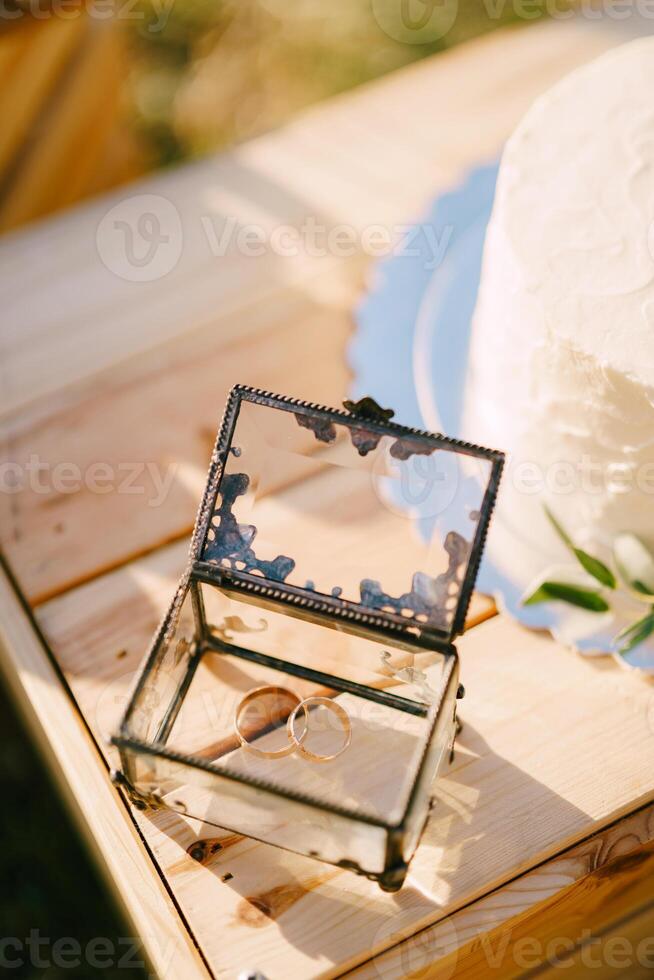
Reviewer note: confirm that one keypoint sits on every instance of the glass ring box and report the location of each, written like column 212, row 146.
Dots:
column 331, row 566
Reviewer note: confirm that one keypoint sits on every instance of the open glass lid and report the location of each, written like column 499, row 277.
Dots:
column 346, row 514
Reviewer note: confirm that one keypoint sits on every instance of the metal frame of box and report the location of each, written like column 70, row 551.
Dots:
column 326, row 610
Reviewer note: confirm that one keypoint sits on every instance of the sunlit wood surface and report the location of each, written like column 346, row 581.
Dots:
column 545, row 819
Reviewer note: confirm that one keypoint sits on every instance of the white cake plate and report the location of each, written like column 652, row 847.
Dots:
column 410, row 352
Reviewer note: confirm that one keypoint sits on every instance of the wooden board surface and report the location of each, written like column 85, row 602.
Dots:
column 373, row 157
column 547, row 914
column 553, row 748
column 101, row 370
column 102, row 816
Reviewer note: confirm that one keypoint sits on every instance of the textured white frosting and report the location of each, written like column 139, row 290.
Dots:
column 562, row 350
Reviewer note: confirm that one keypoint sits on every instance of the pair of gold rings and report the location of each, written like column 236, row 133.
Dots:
column 295, row 740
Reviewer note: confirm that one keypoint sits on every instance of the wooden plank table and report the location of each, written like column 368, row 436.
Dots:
column 111, row 392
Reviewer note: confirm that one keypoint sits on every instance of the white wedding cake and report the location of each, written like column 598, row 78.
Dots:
column 562, row 349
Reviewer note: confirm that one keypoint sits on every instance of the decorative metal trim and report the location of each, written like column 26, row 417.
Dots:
column 450, row 676
column 166, row 625
column 380, row 426
column 478, row 544
column 125, row 741
column 295, row 600
column 367, row 408
column 404, row 633
column 139, row 799
column 142, row 802
column 419, row 709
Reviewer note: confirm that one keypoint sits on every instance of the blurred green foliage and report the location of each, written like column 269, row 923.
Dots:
column 208, row 73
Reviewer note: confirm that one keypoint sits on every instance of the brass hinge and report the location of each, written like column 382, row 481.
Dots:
column 139, row 799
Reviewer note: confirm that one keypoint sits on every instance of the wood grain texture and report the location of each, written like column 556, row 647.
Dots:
column 154, row 426
column 625, row 948
column 101, row 813
column 553, row 748
column 342, row 162
column 102, row 648
column 99, row 369
column 278, row 322
column 562, row 909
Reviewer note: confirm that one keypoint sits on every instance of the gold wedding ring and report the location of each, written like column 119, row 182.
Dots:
column 254, row 695
column 294, row 741
column 297, row 741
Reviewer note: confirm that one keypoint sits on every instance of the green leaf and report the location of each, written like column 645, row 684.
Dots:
column 592, row 565
column 573, row 594
column 635, row 634
column 563, row 534
column 635, row 565
column 596, row 568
